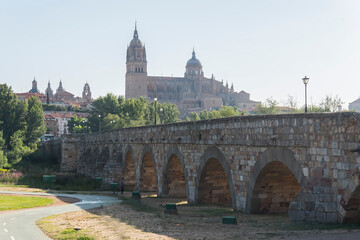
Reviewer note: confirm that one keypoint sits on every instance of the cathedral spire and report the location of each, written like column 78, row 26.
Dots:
column 193, row 53
column 136, row 36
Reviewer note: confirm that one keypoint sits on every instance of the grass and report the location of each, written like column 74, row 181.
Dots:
column 19, row 202
column 58, row 233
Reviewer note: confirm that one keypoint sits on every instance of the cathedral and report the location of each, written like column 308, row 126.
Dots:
column 192, row 93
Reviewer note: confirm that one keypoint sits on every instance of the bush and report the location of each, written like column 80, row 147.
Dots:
column 10, row 176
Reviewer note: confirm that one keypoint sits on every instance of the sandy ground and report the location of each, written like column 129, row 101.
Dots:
column 121, row 221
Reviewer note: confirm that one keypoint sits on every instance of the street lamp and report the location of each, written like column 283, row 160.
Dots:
column 155, row 99
column 306, row 81
column 99, row 123
column 161, row 115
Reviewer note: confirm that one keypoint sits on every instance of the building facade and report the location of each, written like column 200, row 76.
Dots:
column 192, row 93
column 355, row 105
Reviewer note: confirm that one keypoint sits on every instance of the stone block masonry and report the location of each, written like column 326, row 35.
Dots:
column 302, row 164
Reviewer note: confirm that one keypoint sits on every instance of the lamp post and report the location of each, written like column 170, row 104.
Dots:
column 161, row 115
column 155, row 99
column 99, row 123
column 306, row 81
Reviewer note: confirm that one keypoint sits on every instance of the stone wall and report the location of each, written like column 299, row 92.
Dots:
column 315, row 150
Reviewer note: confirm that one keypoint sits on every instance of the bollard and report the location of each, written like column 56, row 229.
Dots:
column 229, row 220
column 170, row 208
column 113, row 187
column 136, row 195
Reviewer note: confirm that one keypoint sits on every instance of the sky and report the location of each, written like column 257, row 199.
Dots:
column 264, row 47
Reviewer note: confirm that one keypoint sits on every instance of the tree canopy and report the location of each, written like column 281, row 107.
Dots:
column 225, row 111
column 112, row 112
column 21, row 126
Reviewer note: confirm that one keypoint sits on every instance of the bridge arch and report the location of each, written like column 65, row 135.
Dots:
column 213, row 162
column 174, row 184
column 350, row 201
column 148, row 178
column 129, row 172
column 276, row 169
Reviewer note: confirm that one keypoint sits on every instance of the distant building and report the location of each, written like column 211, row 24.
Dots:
column 192, row 93
column 34, row 88
column 355, row 105
column 49, row 91
column 60, row 98
column 57, row 122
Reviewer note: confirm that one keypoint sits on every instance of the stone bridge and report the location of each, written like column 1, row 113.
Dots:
column 304, row 164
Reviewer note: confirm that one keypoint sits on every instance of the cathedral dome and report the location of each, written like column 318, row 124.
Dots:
column 193, row 61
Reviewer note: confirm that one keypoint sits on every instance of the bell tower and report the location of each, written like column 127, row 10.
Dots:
column 136, row 69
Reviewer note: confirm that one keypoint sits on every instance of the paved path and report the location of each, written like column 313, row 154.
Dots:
column 20, row 225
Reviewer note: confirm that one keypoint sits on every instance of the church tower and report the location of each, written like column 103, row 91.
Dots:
column 194, row 72
column 49, row 91
column 136, row 69
column 86, row 94
column 34, row 88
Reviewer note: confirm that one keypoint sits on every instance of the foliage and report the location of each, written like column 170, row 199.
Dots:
column 112, row 112
column 34, row 122
column 328, row 104
column 21, row 126
column 78, row 125
column 9, row 176
column 331, row 104
column 269, row 107
column 223, row 112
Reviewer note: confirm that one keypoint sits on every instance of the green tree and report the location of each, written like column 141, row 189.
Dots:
column 227, row 111
column 78, row 125
column 194, row 116
column 17, row 148
column 331, row 104
column 113, row 121
column 34, row 122
column 21, row 126
column 168, row 113
column 3, row 158
column 269, row 107
column 12, row 113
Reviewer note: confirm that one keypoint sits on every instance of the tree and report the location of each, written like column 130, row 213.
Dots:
column 331, row 104
column 17, row 148
column 194, row 116
column 21, row 126
column 168, row 113
column 12, row 113
column 34, row 122
column 78, row 125
column 3, row 158
column 269, row 107
column 47, row 98
column 113, row 121
column 116, row 112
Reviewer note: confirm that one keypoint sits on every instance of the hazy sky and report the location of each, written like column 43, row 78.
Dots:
column 264, row 47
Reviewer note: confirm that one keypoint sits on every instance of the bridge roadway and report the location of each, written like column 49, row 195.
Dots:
column 20, row 224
